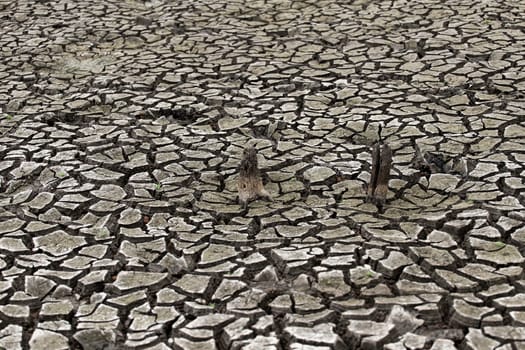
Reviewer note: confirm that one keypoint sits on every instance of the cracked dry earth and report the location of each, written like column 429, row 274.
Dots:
column 122, row 127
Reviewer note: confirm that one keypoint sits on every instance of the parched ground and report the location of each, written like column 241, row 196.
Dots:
column 122, row 125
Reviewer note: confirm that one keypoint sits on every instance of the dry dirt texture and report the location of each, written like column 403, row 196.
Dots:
column 122, row 125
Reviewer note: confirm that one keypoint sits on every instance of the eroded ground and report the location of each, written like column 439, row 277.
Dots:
column 122, row 126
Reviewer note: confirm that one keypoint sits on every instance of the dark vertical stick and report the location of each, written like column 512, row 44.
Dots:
column 383, row 176
column 249, row 183
column 376, row 160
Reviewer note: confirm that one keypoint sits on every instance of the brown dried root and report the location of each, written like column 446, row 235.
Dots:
column 381, row 164
column 249, row 184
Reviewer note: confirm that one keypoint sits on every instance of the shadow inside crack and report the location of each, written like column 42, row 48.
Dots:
column 181, row 116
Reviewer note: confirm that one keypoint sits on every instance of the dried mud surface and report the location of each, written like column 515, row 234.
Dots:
column 122, row 125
